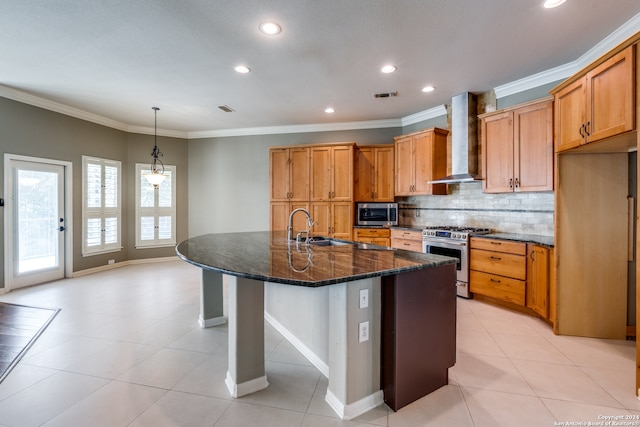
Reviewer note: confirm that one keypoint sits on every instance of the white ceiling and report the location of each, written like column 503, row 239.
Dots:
column 111, row 61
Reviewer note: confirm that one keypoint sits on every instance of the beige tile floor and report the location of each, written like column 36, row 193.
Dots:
column 126, row 351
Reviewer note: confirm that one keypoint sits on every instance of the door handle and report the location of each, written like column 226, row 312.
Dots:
column 581, row 131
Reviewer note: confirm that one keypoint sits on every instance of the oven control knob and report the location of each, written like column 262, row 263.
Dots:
column 455, row 235
column 463, row 236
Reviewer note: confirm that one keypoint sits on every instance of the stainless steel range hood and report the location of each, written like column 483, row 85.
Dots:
column 464, row 140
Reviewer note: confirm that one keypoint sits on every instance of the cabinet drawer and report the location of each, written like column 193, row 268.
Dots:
column 509, row 247
column 499, row 263
column 410, row 245
column 406, row 234
column 372, row 232
column 498, row 287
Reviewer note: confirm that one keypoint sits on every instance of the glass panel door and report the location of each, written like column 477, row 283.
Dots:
column 38, row 222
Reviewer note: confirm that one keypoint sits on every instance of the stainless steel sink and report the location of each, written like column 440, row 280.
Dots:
column 325, row 241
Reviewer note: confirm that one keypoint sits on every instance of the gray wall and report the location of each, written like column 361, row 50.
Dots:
column 31, row 131
column 229, row 177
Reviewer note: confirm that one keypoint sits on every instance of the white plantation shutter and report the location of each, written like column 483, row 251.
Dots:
column 155, row 209
column 101, row 206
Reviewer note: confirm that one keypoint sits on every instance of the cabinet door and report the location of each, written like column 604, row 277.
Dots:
column 364, row 175
column 538, row 280
column 280, row 212
column 570, row 115
column 342, row 173
column 279, row 173
column 610, row 91
column 497, row 153
column 423, row 147
column 321, row 214
column 279, row 216
column 321, row 173
column 384, row 174
column 533, row 147
column 342, row 220
column 299, row 175
column 404, row 166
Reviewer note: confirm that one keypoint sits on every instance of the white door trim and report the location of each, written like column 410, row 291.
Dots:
column 8, row 215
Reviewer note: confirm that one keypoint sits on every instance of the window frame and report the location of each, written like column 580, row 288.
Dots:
column 102, row 212
column 156, row 211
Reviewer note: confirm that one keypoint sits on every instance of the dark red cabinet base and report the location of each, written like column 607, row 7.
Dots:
column 418, row 333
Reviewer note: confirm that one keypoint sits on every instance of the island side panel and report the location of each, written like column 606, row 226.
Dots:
column 418, row 333
column 246, row 372
column 211, row 299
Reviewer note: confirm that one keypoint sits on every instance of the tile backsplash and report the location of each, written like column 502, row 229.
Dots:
column 467, row 205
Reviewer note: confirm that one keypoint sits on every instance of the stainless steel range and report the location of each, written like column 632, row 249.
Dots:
column 453, row 242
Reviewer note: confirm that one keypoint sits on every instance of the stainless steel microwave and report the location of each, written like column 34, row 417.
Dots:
column 377, row 214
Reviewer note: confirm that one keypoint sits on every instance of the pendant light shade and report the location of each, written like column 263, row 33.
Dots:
column 156, row 176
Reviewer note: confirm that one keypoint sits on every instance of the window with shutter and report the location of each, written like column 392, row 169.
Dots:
column 101, row 206
column 155, row 209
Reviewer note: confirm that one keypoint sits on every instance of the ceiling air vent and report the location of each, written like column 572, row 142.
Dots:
column 385, row 94
column 226, row 108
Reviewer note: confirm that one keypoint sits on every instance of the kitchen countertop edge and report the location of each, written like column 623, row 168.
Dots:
column 547, row 241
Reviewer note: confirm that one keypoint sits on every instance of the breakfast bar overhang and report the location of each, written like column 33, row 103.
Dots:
column 388, row 331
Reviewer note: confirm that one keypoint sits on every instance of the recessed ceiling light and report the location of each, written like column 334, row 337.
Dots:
column 270, row 28
column 329, row 110
column 428, row 89
column 552, row 3
column 242, row 69
column 388, row 69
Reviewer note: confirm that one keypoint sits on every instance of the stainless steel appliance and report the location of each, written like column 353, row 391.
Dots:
column 377, row 214
column 453, row 242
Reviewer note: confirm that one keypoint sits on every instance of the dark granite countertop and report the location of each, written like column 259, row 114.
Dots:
column 547, row 241
column 266, row 256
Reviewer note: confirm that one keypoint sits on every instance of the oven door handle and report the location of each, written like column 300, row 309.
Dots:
column 444, row 243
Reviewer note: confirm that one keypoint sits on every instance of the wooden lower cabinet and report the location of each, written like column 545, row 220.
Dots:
column 410, row 240
column 498, row 269
column 280, row 212
column 538, row 279
column 377, row 236
column 333, row 219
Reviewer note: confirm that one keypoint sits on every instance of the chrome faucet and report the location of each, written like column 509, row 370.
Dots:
column 310, row 223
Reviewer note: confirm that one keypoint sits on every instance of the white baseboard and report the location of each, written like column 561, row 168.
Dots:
column 248, row 387
column 299, row 345
column 355, row 409
column 107, row 267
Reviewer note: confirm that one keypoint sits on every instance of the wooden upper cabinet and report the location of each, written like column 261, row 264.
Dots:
column 517, row 148
column 597, row 105
column 421, row 157
column 332, row 173
column 289, row 177
column 404, row 165
column 497, row 153
column 374, row 174
column 533, row 147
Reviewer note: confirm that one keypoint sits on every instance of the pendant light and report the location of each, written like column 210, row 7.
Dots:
column 157, row 176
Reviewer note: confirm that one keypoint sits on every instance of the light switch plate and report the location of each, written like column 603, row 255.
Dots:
column 364, row 298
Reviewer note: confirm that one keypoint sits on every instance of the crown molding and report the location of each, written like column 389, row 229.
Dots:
column 421, row 116
column 161, row 132
column 307, row 128
column 628, row 29
column 36, row 101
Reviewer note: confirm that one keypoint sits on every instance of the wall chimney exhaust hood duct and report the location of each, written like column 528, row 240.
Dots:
column 464, row 140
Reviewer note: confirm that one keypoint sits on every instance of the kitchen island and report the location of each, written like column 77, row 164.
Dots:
column 354, row 300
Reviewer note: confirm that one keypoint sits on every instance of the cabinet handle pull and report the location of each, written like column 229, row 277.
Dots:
column 494, row 280
column 517, row 183
column 496, row 243
column 510, row 182
column 582, row 128
column 586, row 129
column 496, row 258
column 532, row 256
